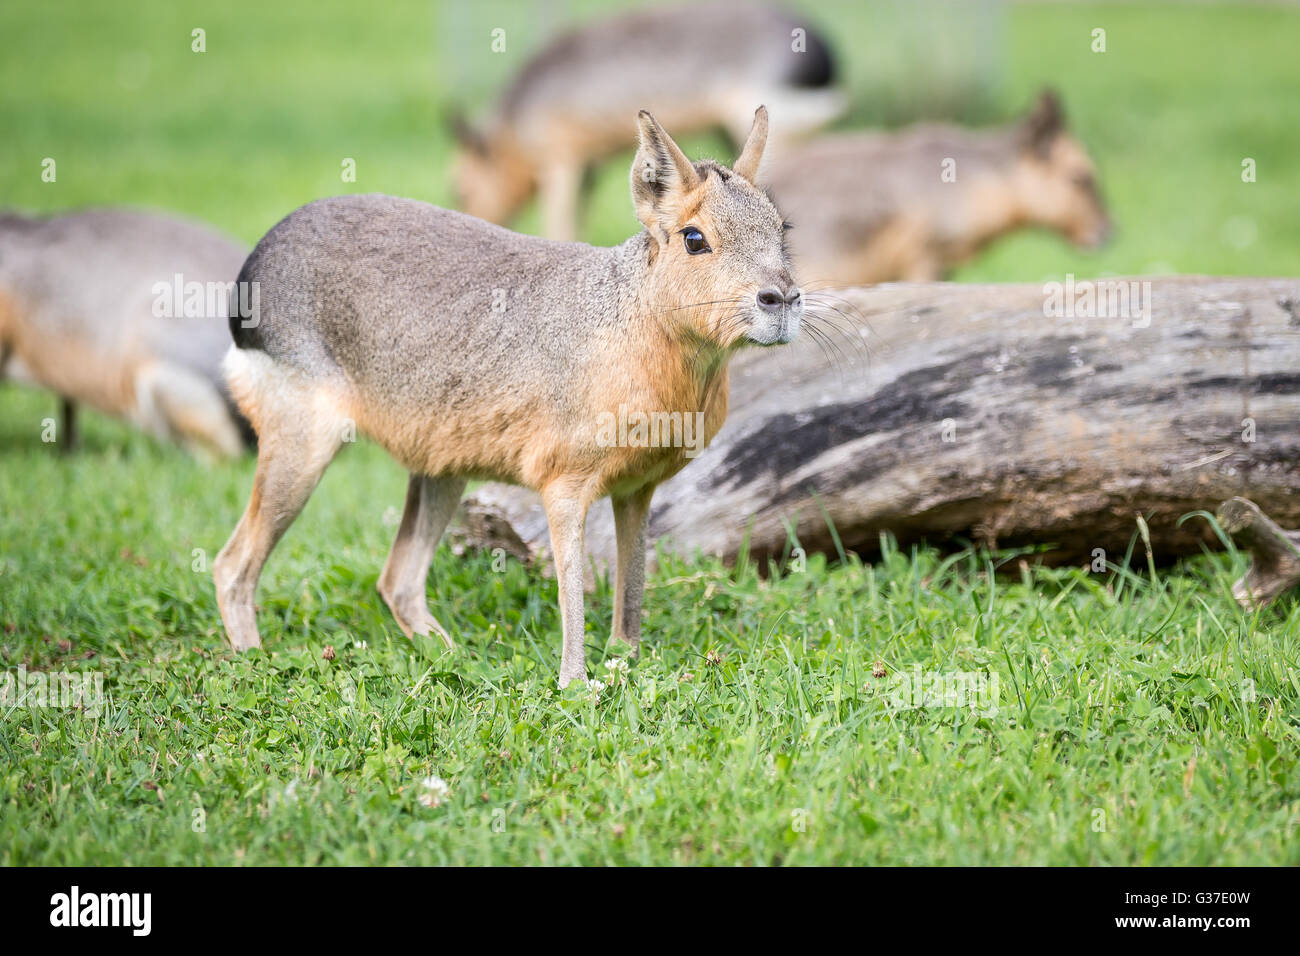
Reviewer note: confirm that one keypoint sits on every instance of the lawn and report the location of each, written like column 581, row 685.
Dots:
column 1133, row 715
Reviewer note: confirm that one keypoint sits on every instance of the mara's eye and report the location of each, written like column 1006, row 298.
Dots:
column 694, row 240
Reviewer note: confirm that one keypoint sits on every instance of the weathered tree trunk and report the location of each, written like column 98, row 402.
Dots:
column 947, row 412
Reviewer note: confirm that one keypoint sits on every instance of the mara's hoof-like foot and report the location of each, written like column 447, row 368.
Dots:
column 431, row 626
column 413, row 617
column 239, row 645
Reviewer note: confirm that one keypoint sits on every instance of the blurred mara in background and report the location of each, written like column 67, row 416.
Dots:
column 913, row 204
column 694, row 67
column 111, row 307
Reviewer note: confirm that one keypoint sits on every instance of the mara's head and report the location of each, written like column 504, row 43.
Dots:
column 719, row 270
column 1056, row 179
column 491, row 177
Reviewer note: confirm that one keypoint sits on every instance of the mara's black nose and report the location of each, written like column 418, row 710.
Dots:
column 773, row 299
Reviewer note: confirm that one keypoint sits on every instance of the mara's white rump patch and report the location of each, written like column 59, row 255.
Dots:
column 276, row 397
column 245, row 371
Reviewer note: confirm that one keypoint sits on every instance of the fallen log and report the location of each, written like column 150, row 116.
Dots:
column 1007, row 415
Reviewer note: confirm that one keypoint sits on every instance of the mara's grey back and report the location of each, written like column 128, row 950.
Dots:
column 840, row 187
column 666, row 55
column 92, row 274
column 404, row 298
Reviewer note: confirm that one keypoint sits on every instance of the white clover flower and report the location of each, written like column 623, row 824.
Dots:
column 617, row 668
column 436, row 790
column 596, row 687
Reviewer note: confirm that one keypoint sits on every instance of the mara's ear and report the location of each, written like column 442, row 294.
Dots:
column 661, row 173
column 465, row 134
column 747, row 163
column 1044, row 123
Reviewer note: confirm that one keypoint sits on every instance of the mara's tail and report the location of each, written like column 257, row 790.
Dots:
column 244, row 307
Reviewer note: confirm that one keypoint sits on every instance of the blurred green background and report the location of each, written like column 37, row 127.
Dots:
column 260, row 123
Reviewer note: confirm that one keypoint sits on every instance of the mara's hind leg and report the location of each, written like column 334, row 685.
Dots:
column 182, row 404
column 430, row 503
column 299, row 431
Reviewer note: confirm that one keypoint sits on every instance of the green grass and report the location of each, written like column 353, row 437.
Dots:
column 1142, row 718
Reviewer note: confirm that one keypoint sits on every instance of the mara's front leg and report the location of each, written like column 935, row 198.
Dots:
column 631, row 516
column 566, row 504
column 560, row 186
column 68, row 438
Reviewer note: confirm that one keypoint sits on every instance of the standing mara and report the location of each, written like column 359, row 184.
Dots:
column 472, row 352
